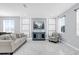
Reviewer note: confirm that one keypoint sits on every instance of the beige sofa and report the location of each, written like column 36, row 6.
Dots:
column 10, row 42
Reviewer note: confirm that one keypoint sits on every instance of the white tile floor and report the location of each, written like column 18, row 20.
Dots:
column 45, row 48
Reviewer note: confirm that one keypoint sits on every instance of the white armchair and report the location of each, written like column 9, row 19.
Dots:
column 55, row 37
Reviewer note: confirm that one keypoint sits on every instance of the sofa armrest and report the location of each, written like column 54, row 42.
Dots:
column 5, row 46
column 17, row 43
column 5, row 42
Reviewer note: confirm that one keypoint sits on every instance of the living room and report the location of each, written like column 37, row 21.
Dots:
column 39, row 28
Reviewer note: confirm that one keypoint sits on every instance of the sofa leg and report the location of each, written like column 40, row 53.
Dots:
column 11, row 53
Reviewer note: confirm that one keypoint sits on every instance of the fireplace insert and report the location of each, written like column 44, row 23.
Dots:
column 38, row 35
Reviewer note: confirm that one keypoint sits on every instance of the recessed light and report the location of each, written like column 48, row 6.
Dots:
column 24, row 5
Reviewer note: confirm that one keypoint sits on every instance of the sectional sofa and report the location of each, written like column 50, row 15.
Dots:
column 9, row 43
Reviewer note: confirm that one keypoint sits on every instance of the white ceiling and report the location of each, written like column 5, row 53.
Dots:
column 34, row 9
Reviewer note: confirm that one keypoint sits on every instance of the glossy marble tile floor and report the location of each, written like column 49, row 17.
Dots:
column 45, row 48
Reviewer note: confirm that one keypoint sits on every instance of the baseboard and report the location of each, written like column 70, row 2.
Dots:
column 70, row 45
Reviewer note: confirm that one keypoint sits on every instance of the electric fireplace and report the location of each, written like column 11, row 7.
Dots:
column 38, row 35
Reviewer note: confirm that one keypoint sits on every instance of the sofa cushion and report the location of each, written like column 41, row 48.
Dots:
column 20, row 35
column 13, row 36
column 55, row 34
column 17, row 35
column 5, row 37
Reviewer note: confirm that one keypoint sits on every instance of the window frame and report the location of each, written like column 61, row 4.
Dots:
column 60, row 24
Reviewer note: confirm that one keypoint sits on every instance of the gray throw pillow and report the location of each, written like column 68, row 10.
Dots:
column 13, row 36
column 5, row 37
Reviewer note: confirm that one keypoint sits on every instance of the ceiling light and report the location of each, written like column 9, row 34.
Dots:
column 24, row 5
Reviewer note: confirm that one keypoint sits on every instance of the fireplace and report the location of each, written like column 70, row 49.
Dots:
column 38, row 35
column 38, row 32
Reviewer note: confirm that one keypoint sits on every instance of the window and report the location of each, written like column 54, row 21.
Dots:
column 51, row 26
column 8, row 25
column 61, row 25
column 77, row 21
column 25, row 26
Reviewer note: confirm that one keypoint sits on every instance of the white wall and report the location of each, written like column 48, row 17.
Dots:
column 70, row 35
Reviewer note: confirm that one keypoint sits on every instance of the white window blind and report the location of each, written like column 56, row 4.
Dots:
column 8, row 25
